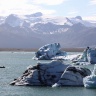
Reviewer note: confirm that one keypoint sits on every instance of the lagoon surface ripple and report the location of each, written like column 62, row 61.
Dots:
column 16, row 63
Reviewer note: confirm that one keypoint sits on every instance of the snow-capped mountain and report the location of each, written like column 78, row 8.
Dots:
column 32, row 19
column 35, row 30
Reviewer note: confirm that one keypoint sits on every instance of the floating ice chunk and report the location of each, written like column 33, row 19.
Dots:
column 44, row 74
column 72, row 76
column 54, row 73
column 49, row 51
column 55, row 85
column 71, row 57
column 89, row 55
column 90, row 81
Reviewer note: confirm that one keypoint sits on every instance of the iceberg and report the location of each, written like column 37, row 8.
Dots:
column 49, row 52
column 42, row 74
column 89, row 55
column 90, row 81
column 72, row 76
column 48, row 74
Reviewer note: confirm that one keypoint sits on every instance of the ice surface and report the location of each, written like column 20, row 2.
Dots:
column 55, row 72
column 89, row 55
column 49, row 51
column 90, row 81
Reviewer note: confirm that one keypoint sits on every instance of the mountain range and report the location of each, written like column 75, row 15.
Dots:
column 36, row 30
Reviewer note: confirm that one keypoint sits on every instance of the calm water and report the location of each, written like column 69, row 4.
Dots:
column 16, row 64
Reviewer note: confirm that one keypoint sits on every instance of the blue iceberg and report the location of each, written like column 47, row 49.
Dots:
column 42, row 74
column 49, row 51
column 73, row 76
column 90, row 81
column 89, row 55
column 55, row 72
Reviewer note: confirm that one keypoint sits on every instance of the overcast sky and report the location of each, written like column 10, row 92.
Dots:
column 66, row 8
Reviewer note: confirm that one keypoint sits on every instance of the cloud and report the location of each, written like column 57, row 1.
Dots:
column 90, row 18
column 73, row 12
column 21, row 7
column 92, row 2
column 93, row 17
column 49, row 2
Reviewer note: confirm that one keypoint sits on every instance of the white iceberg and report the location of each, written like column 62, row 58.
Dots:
column 49, row 51
column 73, row 76
column 48, row 74
column 90, row 81
column 42, row 74
column 89, row 55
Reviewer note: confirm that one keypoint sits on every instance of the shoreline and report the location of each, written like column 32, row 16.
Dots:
column 33, row 49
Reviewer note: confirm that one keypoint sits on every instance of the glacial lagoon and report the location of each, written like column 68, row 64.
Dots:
column 16, row 63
